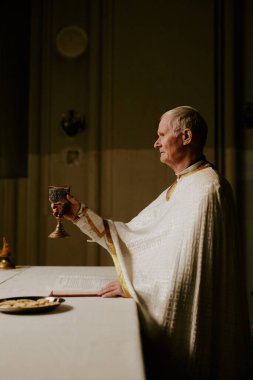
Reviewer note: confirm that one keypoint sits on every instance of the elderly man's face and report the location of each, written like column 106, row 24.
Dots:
column 170, row 146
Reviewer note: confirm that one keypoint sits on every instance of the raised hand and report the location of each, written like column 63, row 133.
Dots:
column 71, row 208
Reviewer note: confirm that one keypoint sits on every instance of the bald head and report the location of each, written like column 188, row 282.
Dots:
column 182, row 134
column 184, row 117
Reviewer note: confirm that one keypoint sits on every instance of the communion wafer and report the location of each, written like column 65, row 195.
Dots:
column 26, row 303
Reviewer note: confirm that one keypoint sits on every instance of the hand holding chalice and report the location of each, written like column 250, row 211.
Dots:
column 58, row 197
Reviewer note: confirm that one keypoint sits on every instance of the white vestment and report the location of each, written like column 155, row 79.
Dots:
column 180, row 261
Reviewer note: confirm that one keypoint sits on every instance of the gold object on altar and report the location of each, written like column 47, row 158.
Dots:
column 58, row 196
column 5, row 256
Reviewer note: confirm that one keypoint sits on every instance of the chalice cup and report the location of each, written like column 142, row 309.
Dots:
column 58, row 196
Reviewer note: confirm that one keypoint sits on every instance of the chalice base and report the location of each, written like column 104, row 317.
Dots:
column 59, row 232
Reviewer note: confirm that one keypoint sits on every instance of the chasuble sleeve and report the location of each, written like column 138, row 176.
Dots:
column 99, row 230
column 92, row 225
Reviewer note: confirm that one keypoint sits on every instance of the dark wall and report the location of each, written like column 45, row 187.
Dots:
column 14, row 87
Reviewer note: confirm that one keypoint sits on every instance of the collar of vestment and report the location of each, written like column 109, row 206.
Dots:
column 199, row 165
column 192, row 168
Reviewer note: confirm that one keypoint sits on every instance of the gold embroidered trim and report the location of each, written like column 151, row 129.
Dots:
column 112, row 250
column 172, row 187
column 111, row 247
column 170, row 190
column 92, row 225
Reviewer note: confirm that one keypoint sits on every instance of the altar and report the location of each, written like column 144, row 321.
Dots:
column 85, row 338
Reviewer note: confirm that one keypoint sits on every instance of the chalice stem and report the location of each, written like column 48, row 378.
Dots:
column 59, row 231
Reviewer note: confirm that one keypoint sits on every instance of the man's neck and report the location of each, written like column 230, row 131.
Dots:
column 189, row 162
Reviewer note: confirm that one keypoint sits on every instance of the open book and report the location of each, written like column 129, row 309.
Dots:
column 78, row 285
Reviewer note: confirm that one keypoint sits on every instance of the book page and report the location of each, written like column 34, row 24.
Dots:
column 80, row 284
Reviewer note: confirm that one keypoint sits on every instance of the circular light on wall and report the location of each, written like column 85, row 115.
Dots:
column 71, row 41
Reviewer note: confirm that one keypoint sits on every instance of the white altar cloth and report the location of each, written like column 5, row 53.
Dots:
column 86, row 338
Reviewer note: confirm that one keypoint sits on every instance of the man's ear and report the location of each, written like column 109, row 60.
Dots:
column 187, row 136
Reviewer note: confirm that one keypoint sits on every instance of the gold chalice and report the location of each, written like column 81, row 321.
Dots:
column 58, row 196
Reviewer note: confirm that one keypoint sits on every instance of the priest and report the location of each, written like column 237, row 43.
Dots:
column 180, row 260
